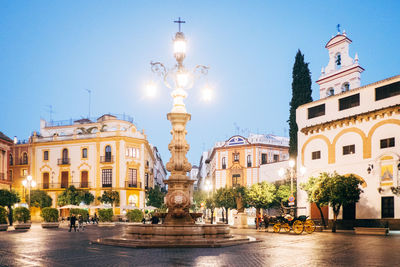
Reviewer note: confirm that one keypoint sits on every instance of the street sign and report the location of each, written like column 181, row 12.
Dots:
column 291, row 203
column 291, row 198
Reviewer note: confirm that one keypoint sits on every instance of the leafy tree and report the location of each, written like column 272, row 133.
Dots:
column 111, row 197
column 225, row 198
column 210, row 204
column 7, row 199
column 199, row 197
column 284, row 192
column 261, row 195
column 155, row 197
column 84, row 213
column 134, row 215
column 21, row 214
column 317, row 192
column 3, row 215
column 73, row 196
column 301, row 94
column 105, row 215
column 341, row 191
column 49, row 214
column 40, row 199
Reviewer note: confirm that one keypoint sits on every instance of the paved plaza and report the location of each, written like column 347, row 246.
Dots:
column 58, row 247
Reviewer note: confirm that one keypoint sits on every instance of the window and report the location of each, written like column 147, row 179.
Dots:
column 106, row 177
column 24, row 172
column 132, row 200
column 276, row 157
column 108, row 153
column 223, row 163
column 45, row 177
column 264, row 158
column 248, row 160
column 236, row 157
column 330, row 92
column 132, row 152
column 387, row 207
column 338, row 61
column 316, row 155
column 386, row 91
column 10, row 175
column 316, row 111
column 350, row 149
column 146, row 180
column 11, row 159
column 132, row 177
column 64, row 179
column 345, row 87
column 84, row 153
column 84, row 179
column 25, row 158
column 46, row 155
column 388, row 142
column 235, row 180
column 349, row 102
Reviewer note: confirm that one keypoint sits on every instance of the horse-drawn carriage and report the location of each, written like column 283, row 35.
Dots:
column 297, row 224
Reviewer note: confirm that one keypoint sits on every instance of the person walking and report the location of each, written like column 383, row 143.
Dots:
column 96, row 220
column 80, row 223
column 72, row 222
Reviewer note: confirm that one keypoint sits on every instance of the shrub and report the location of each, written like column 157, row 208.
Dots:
column 105, row 215
column 135, row 215
column 83, row 212
column 49, row 214
column 21, row 214
column 3, row 215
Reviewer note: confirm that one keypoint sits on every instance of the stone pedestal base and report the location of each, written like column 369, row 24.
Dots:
column 159, row 235
column 240, row 221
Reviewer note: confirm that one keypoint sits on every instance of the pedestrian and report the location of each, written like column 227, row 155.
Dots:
column 154, row 220
column 266, row 222
column 72, row 222
column 80, row 223
column 96, row 220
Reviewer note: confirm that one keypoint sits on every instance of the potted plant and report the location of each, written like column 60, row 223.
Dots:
column 3, row 219
column 22, row 218
column 134, row 215
column 50, row 217
column 105, row 217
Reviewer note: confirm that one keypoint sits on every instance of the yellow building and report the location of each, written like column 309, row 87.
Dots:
column 97, row 155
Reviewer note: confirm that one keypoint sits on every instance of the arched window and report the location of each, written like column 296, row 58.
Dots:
column 108, row 153
column 132, row 200
column 11, row 159
column 338, row 61
column 345, row 87
column 65, row 159
column 248, row 160
column 25, row 158
column 330, row 92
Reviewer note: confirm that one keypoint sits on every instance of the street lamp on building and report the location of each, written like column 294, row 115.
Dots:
column 292, row 173
column 29, row 183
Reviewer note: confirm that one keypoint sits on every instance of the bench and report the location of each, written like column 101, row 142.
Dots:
column 371, row 231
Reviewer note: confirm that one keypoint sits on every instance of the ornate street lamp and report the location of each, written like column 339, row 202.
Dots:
column 28, row 183
column 178, row 78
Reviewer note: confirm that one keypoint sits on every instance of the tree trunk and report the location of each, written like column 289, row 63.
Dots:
column 212, row 216
column 335, row 214
column 223, row 216
column 10, row 215
column 226, row 214
column 322, row 215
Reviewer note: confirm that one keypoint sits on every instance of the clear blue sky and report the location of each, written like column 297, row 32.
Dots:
column 51, row 51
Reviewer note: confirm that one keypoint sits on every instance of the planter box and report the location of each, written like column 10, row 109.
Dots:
column 3, row 227
column 22, row 226
column 371, row 231
column 50, row 224
column 106, row 224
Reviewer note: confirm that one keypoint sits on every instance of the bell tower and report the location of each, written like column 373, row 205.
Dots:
column 342, row 73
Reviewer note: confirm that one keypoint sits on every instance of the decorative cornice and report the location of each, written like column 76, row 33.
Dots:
column 366, row 116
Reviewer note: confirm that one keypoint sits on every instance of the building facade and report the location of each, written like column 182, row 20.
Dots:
column 353, row 131
column 160, row 173
column 5, row 161
column 238, row 160
column 108, row 153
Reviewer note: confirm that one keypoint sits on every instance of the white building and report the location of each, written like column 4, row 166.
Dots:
column 202, row 173
column 160, row 173
column 193, row 175
column 355, row 130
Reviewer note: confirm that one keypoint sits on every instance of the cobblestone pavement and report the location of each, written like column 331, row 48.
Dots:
column 58, row 247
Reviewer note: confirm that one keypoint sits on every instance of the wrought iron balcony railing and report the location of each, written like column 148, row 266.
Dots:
column 105, row 159
column 64, row 161
column 63, row 185
column 132, row 184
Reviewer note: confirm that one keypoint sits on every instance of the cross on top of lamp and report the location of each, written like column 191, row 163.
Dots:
column 178, row 77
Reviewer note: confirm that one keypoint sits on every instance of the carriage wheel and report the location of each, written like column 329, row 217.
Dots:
column 309, row 226
column 298, row 227
column 277, row 227
column 286, row 226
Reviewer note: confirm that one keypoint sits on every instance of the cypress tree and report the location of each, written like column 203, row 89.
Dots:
column 301, row 94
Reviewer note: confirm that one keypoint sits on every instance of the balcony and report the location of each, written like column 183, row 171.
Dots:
column 63, row 185
column 64, row 161
column 106, row 159
column 129, row 184
column 21, row 161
